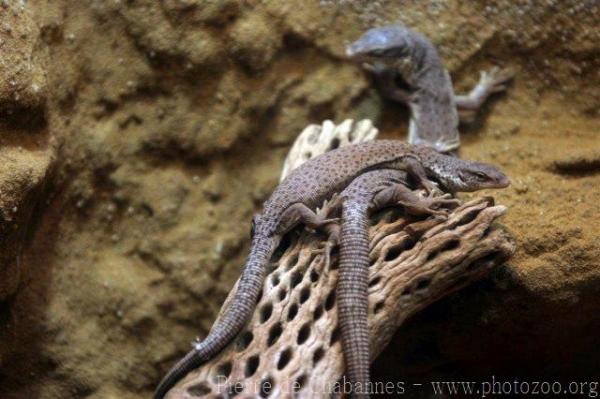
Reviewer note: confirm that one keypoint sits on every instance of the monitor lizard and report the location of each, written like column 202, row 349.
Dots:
column 398, row 56
column 293, row 202
column 370, row 192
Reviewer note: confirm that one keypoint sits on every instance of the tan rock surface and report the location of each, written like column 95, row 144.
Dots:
column 171, row 127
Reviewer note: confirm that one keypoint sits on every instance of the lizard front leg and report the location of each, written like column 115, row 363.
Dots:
column 399, row 194
column 300, row 213
column 332, row 230
column 416, row 170
column 385, row 79
column 490, row 82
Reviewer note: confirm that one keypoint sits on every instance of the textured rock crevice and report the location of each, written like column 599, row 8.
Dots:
column 26, row 147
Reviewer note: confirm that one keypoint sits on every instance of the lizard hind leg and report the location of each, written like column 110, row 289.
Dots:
column 300, row 213
column 490, row 82
column 330, row 208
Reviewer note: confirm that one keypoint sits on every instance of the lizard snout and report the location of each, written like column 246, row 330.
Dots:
column 503, row 182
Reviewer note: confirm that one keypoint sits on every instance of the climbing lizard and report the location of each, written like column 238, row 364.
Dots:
column 397, row 55
column 369, row 192
column 293, row 201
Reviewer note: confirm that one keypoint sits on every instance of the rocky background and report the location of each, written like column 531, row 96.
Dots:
column 137, row 138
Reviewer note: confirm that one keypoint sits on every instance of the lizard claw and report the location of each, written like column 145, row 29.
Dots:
column 326, row 250
column 430, row 187
column 494, row 80
column 330, row 206
column 448, row 202
column 329, row 221
column 376, row 69
column 368, row 67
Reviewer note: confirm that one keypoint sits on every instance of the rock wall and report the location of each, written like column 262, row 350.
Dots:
column 138, row 137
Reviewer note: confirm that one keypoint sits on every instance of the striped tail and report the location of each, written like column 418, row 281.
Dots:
column 234, row 319
column 352, row 294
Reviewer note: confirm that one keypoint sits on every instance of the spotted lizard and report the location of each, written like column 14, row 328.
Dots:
column 294, row 202
column 369, row 192
column 398, row 56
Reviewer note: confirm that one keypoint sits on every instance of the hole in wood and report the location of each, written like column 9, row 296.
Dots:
column 266, row 312
column 275, row 279
column 314, row 276
column 318, row 355
column 300, row 381
column 244, row 340
column 422, row 284
column 432, row 255
column 252, row 366
column 450, row 245
column 468, row 218
column 292, row 312
column 304, row 294
column 224, row 370
column 198, row 390
column 274, row 334
column 296, row 279
column 282, row 294
column 330, row 300
column 375, row 281
column 335, row 336
column 292, row 261
column 284, row 245
column 318, row 312
column 378, row 307
column 335, row 143
column 303, row 334
column 335, row 251
column 236, row 388
column 266, row 386
column 284, row 358
column 395, row 251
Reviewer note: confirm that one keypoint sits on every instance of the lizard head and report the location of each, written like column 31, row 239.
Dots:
column 477, row 175
column 385, row 44
column 458, row 175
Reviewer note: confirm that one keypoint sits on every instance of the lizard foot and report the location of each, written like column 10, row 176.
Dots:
column 494, row 80
column 431, row 204
column 331, row 206
column 333, row 241
column 445, row 200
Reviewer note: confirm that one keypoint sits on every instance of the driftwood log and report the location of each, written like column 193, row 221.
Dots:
column 291, row 347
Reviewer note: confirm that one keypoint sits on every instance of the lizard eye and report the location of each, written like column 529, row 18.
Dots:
column 377, row 52
column 481, row 176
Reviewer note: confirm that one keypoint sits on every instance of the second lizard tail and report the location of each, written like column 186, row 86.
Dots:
column 352, row 295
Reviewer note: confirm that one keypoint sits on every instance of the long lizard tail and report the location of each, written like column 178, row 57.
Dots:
column 352, row 291
column 234, row 319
